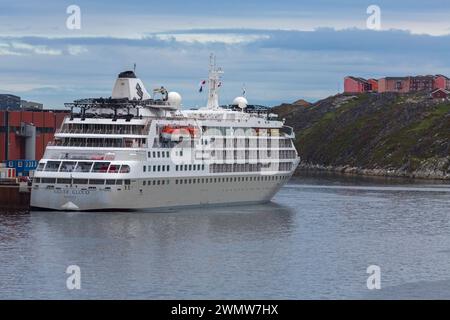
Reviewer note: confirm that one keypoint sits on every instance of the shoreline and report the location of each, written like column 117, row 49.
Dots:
column 364, row 172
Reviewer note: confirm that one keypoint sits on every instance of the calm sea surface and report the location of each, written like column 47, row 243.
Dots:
column 314, row 240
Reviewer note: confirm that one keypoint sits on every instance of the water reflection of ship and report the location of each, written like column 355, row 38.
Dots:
column 252, row 221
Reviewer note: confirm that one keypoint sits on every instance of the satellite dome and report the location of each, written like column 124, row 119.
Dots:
column 241, row 102
column 174, row 98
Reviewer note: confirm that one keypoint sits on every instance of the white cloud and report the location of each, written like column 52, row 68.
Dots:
column 226, row 38
column 76, row 50
column 22, row 48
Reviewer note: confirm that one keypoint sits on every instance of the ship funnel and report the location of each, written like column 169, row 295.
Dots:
column 129, row 86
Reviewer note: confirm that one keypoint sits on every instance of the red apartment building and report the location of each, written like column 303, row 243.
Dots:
column 356, row 85
column 407, row 84
column 441, row 82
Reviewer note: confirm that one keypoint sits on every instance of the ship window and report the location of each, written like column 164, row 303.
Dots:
column 163, row 154
column 167, row 154
column 114, row 168
column 37, row 180
column 83, row 167
column 144, row 168
column 127, row 182
column 181, row 181
column 176, row 181
column 64, row 181
column 48, row 180
column 154, row 154
column 181, row 153
column 149, row 154
column 144, row 183
column 159, row 154
column 190, row 167
column 40, row 167
column 168, row 168
column 118, row 182
column 176, row 168
column 110, row 181
column 203, row 167
column 159, row 168
column 101, row 167
column 125, row 169
column 97, row 181
column 158, row 182
column 80, row 181
column 163, row 168
column 154, row 168
column 52, row 166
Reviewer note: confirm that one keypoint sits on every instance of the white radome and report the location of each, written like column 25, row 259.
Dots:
column 174, row 98
column 241, row 102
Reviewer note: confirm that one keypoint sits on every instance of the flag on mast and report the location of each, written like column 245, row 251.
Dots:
column 243, row 90
column 202, row 83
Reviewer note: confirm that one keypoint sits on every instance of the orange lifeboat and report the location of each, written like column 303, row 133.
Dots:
column 174, row 133
column 167, row 132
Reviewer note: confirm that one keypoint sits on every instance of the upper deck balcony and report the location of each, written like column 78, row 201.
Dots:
column 104, row 129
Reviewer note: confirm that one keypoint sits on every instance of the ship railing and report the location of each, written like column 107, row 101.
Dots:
column 104, row 131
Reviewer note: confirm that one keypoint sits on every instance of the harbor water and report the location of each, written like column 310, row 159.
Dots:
column 315, row 240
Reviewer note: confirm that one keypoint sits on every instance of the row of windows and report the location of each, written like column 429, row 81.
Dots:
column 240, row 167
column 158, row 168
column 166, row 168
column 230, row 179
column 287, row 154
column 190, row 167
column 81, row 181
column 83, row 166
column 98, row 182
column 252, row 154
column 247, row 143
column 159, row 154
column 285, row 166
column 155, row 182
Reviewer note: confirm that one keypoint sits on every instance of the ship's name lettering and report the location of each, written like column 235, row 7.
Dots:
column 65, row 191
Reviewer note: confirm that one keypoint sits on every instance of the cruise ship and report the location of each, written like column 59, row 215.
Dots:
column 137, row 150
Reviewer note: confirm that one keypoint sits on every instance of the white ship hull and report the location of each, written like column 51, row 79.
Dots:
column 163, row 196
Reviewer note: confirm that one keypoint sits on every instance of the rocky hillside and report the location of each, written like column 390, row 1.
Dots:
column 373, row 134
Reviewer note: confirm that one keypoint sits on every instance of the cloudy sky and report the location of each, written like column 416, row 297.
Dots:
column 281, row 50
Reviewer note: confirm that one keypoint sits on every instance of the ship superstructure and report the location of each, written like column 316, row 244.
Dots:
column 135, row 151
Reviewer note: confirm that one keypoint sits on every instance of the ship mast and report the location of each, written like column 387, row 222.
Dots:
column 214, row 83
